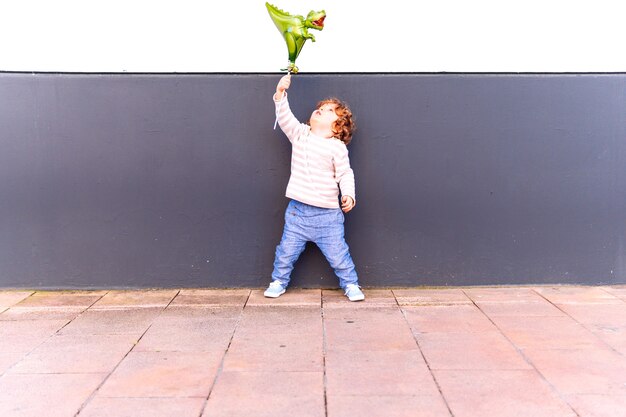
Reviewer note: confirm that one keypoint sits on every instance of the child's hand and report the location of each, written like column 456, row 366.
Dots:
column 283, row 85
column 347, row 203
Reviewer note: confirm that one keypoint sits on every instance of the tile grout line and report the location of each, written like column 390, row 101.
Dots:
column 582, row 324
column 52, row 335
column 8, row 307
column 82, row 312
column 523, row 355
column 325, row 379
column 603, row 288
column 432, row 375
column 95, row 391
column 221, row 366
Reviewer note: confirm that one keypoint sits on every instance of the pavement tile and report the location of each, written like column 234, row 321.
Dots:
column 618, row 291
column 163, row 374
column 140, row 298
column 372, row 315
column 578, row 295
column 265, row 406
column 613, row 336
column 447, row 318
column 376, row 360
column 8, row 359
column 421, row 297
column 607, row 315
column 127, row 321
column 25, row 313
column 293, row 297
column 50, row 395
column 207, row 320
column 266, row 318
column 378, row 373
column 606, row 321
column 9, row 298
column 188, row 335
column 387, row 406
column 517, row 393
column 55, row 299
column 267, row 393
column 269, row 383
column 24, row 335
column 502, row 294
column 200, row 312
column 260, row 340
column 595, row 405
column 143, row 407
column 281, row 320
column 21, row 344
column 311, row 331
column 547, row 333
column 286, row 360
column 465, row 351
column 373, row 298
column 254, row 349
column 358, row 334
column 211, row 297
column 587, row 371
column 30, row 327
column 539, row 308
column 76, row 354
column 184, row 342
column 275, row 351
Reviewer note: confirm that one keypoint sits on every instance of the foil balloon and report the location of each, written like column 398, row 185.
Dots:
column 295, row 30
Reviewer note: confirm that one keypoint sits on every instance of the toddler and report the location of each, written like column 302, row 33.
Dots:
column 319, row 169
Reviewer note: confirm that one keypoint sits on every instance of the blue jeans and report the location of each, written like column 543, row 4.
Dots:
column 324, row 227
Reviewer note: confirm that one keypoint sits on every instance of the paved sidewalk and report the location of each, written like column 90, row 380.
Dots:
column 505, row 351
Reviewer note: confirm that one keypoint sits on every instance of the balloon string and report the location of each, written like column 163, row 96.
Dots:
column 278, row 110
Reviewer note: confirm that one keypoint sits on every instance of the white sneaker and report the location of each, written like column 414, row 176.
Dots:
column 275, row 290
column 354, row 293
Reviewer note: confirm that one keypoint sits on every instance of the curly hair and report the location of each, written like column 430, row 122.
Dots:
column 344, row 126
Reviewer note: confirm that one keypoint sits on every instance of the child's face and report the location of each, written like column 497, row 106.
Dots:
column 324, row 116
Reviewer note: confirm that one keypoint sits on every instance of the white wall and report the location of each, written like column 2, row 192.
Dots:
column 360, row 36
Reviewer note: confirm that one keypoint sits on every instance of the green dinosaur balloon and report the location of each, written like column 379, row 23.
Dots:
column 294, row 30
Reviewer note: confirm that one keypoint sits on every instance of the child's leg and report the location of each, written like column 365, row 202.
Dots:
column 333, row 245
column 291, row 246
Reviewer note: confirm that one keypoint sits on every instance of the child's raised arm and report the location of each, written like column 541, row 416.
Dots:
column 282, row 86
column 286, row 120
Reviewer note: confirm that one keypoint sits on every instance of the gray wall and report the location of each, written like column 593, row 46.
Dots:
column 131, row 180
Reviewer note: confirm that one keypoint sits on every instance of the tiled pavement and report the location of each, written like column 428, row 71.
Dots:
column 503, row 351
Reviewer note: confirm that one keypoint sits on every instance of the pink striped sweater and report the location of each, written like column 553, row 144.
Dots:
column 320, row 167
